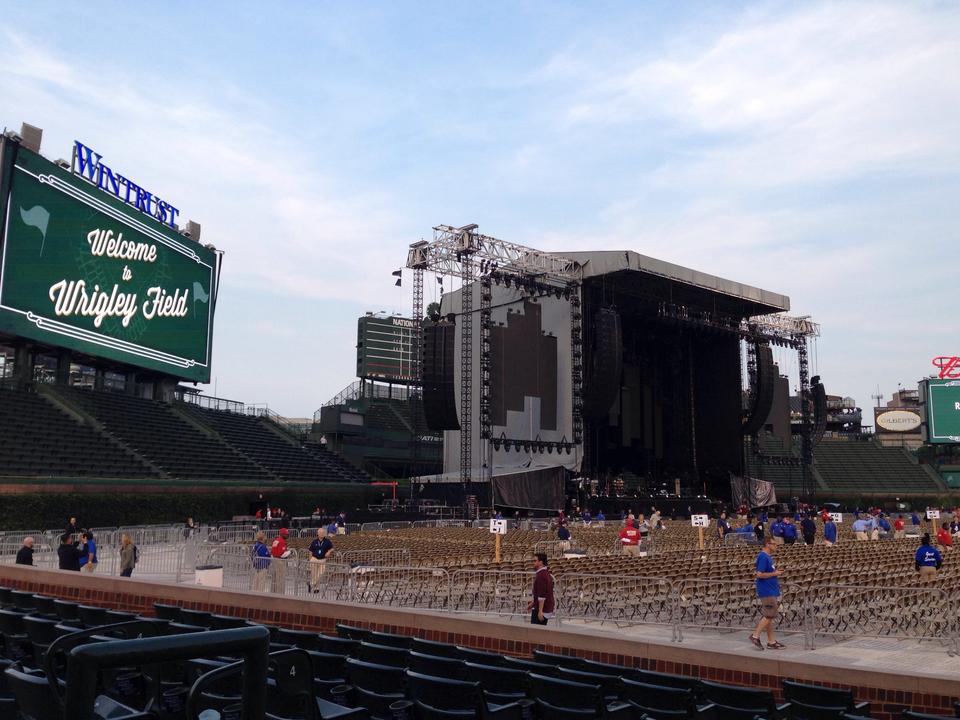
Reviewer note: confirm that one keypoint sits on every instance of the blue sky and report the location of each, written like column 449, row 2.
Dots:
column 808, row 148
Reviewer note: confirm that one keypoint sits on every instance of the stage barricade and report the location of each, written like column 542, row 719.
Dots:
column 491, row 592
column 620, row 599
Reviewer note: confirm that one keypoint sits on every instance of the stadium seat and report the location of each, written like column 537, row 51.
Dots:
column 436, row 649
column 16, row 643
column 564, row 694
column 610, row 685
column 384, row 655
column 198, row 618
column 41, row 631
column 376, row 687
column 816, row 695
column 23, row 600
column 663, row 703
column 436, row 666
column 682, row 682
column 67, row 611
column 912, row 715
column 529, row 666
column 339, row 645
column 352, row 633
column 92, row 616
column 44, row 605
column 303, row 639
column 291, row 685
column 500, row 685
column 479, row 657
column 329, row 670
column 382, row 638
column 735, row 701
column 167, row 612
column 454, row 698
column 549, row 658
column 804, row 711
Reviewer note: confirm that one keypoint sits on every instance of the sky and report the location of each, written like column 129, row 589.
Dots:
column 812, row 149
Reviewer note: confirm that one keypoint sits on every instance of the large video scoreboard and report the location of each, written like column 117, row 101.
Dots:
column 92, row 262
column 386, row 348
column 941, row 401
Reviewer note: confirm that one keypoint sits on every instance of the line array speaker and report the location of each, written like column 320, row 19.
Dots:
column 763, row 393
column 602, row 381
column 439, row 398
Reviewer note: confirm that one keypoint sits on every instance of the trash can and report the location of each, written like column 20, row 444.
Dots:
column 209, row 575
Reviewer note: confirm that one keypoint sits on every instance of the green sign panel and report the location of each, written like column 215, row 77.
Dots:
column 83, row 271
column 943, row 411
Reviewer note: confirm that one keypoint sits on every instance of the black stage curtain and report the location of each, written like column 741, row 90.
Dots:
column 539, row 489
column 752, row 493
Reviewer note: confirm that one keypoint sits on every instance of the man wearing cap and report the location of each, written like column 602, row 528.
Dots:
column 278, row 568
column 541, row 606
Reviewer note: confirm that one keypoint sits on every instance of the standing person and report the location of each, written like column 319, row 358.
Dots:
column 563, row 535
column 643, row 527
column 601, row 518
column 128, row 555
column 885, row 528
column 776, row 530
column 25, row 553
column 656, row 522
column 898, row 528
column 758, row 530
column 541, row 606
column 68, row 554
column 944, row 537
column 342, row 523
column 789, row 530
column 927, row 559
column 829, row 531
column 278, row 567
column 320, row 550
column 88, row 552
column 860, row 528
column 915, row 519
column 189, row 528
column 260, row 555
column 72, row 527
column 630, row 538
column 768, row 593
column 723, row 526
column 808, row 528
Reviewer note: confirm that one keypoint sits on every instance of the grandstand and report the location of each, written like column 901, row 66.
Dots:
column 60, row 431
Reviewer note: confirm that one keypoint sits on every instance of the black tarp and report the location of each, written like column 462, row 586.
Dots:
column 751, row 492
column 532, row 489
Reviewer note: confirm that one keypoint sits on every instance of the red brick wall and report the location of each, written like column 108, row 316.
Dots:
column 887, row 693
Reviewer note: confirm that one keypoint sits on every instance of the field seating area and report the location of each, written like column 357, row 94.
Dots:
column 37, row 438
column 864, row 467
column 285, row 457
column 358, row 672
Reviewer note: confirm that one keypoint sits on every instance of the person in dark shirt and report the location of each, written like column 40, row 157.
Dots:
column 808, row 528
column 758, row 529
column 927, row 559
column 320, row 550
column 68, row 553
column 72, row 526
column 542, row 604
column 25, row 553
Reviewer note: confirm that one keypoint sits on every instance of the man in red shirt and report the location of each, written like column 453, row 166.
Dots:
column 541, row 606
column 278, row 567
column 944, row 537
column 630, row 538
column 898, row 527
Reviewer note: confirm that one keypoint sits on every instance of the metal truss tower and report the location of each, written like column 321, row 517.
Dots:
column 416, row 387
column 466, row 369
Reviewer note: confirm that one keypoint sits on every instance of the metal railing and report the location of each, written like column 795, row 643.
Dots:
column 375, row 557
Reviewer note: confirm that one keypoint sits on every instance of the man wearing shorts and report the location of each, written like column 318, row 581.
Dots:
column 768, row 594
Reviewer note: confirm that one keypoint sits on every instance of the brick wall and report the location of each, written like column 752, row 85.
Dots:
column 887, row 692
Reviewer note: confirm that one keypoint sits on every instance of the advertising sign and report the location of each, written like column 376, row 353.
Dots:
column 942, row 399
column 899, row 420
column 85, row 271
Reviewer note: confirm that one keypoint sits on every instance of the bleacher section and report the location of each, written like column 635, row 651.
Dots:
column 852, row 467
column 165, row 439
column 285, row 458
column 39, row 439
column 846, row 466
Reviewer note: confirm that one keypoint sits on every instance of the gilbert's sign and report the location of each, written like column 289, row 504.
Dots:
column 89, row 271
column 90, row 166
column 897, row 421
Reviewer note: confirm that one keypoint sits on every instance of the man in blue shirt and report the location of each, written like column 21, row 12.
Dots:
column 789, row 531
column 776, row 531
column 829, row 532
column 260, row 556
column 320, row 549
column 860, row 528
column 915, row 519
column 884, row 525
column 768, row 593
column 88, row 552
column 601, row 518
column 723, row 527
column 927, row 559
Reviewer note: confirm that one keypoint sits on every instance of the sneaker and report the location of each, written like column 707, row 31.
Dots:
column 775, row 645
column 756, row 642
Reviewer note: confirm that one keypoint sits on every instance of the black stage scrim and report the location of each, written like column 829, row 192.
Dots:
column 752, row 492
column 533, row 489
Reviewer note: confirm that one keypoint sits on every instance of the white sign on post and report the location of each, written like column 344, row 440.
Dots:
column 700, row 520
column 498, row 527
column 836, row 517
column 933, row 514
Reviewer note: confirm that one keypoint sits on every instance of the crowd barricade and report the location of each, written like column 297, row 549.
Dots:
column 916, row 613
column 352, row 528
column 732, row 606
column 370, row 527
column 309, row 532
column 375, row 557
column 554, row 548
column 232, row 534
column 491, row 592
column 396, row 525
column 424, row 588
column 619, row 599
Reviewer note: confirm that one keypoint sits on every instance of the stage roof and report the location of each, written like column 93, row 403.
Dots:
column 607, row 262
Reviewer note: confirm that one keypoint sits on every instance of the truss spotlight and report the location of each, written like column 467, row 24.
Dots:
column 397, row 273
column 398, row 283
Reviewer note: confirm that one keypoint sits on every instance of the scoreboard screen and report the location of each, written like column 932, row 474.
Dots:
column 942, row 400
column 386, row 348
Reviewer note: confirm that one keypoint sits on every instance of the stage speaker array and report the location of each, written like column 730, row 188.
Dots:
column 763, row 392
column 439, row 399
column 819, row 396
column 602, row 381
